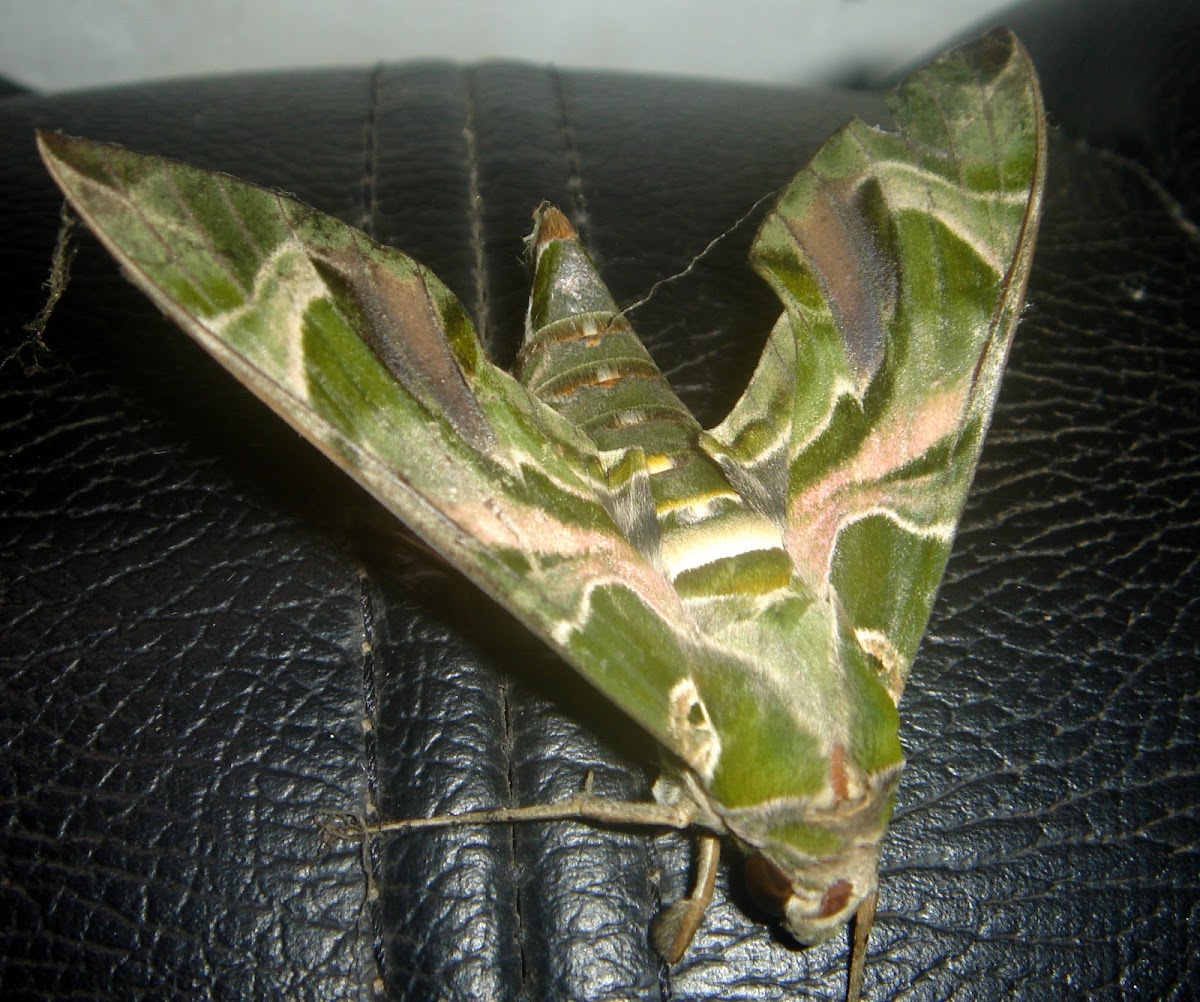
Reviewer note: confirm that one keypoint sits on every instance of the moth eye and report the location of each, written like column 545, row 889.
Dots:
column 768, row 885
column 696, row 714
column 836, row 897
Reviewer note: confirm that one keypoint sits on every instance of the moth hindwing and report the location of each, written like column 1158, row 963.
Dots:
column 752, row 595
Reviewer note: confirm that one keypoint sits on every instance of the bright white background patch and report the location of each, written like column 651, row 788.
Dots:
column 63, row 44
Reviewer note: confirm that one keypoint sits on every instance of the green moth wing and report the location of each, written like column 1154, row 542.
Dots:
column 370, row 357
column 753, row 595
column 902, row 260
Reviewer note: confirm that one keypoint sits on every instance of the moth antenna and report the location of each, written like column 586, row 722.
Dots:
column 864, row 919
column 337, row 826
column 691, row 265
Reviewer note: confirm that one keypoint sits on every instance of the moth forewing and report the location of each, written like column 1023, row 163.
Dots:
column 752, row 596
column 901, row 259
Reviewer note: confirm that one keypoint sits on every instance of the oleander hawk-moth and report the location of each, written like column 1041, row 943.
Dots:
column 752, row 595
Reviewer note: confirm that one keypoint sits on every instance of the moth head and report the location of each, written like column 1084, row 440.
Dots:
column 815, row 902
column 813, row 865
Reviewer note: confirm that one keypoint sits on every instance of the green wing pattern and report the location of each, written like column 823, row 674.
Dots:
column 370, row 357
column 902, row 261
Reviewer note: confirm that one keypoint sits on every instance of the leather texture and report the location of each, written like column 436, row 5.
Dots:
column 209, row 635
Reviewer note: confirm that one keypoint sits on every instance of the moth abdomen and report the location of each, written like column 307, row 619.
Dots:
column 591, row 367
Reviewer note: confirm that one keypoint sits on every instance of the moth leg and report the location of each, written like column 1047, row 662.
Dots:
column 864, row 919
column 677, row 924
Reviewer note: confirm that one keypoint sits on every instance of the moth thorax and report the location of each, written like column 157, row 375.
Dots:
column 816, row 902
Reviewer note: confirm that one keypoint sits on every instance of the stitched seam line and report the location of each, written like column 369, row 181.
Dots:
column 370, row 173
column 475, row 209
column 370, row 923
column 580, row 216
column 479, row 265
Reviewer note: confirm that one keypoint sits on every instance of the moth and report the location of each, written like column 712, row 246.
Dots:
column 752, row 595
